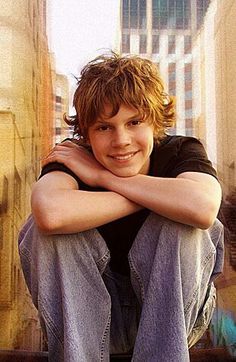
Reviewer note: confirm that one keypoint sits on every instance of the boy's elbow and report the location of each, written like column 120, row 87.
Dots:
column 44, row 216
column 206, row 216
column 45, row 222
column 205, row 223
column 45, row 225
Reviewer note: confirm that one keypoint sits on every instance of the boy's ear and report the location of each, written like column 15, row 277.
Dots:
column 87, row 141
column 86, row 144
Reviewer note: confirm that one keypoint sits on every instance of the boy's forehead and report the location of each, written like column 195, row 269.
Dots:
column 106, row 111
column 110, row 111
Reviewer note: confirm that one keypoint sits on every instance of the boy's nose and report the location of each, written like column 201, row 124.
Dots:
column 121, row 139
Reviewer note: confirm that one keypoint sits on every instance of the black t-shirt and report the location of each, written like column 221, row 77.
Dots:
column 172, row 156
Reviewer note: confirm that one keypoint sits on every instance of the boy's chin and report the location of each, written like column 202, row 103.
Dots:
column 124, row 173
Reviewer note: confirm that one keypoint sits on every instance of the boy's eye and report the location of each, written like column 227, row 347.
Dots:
column 103, row 128
column 135, row 122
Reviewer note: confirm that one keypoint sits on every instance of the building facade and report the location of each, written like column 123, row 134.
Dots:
column 204, row 83
column 225, row 96
column 61, row 106
column 26, row 130
column 162, row 30
column 214, row 53
column 214, row 95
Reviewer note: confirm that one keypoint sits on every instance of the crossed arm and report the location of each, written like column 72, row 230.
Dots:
column 58, row 206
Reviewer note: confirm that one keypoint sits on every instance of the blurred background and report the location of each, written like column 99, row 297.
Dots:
column 43, row 46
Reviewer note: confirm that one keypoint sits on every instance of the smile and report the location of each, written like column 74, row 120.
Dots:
column 124, row 157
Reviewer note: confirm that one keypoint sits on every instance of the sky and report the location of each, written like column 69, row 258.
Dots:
column 79, row 30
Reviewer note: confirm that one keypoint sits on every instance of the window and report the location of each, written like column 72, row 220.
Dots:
column 163, row 15
column 125, row 43
column 188, row 111
column 189, row 127
column 171, row 15
column 142, row 14
column 143, row 44
column 125, row 12
column 187, row 15
column 179, row 14
column 172, row 78
column 188, row 99
column 171, row 44
column 187, row 44
column 58, row 131
column 188, row 95
column 58, row 99
column 155, row 44
column 188, row 75
column 134, row 14
column 155, row 14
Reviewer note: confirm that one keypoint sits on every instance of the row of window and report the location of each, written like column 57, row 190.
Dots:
column 171, row 14
column 188, row 105
column 187, row 82
column 166, row 14
column 134, row 14
column 188, row 96
column 59, row 103
column 156, row 44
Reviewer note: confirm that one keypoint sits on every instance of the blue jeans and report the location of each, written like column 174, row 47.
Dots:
column 87, row 311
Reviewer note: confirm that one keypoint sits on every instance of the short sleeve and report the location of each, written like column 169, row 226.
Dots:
column 178, row 154
column 56, row 166
column 192, row 157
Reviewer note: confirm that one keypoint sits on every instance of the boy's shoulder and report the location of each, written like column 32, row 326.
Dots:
column 178, row 144
column 174, row 140
column 176, row 154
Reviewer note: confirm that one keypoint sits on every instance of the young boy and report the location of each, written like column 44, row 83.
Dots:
column 123, row 244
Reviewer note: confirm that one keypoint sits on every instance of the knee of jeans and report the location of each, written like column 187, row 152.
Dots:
column 171, row 227
column 193, row 247
column 188, row 236
column 34, row 244
column 175, row 240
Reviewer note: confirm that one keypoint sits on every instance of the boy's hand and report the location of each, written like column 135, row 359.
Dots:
column 79, row 160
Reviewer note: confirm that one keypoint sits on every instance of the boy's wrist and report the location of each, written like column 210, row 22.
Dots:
column 105, row 179
column 112, row 182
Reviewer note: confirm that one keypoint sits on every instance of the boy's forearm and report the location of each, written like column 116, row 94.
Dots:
column 193, row 199
column 72, row 211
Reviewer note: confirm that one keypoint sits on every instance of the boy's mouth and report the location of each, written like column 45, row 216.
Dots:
column 123, row 157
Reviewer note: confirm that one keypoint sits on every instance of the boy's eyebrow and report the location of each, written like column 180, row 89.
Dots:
column 101, row 120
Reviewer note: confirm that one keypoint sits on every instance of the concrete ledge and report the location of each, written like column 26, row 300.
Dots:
column 22, row 356
column 210, row 355
column 196, row 355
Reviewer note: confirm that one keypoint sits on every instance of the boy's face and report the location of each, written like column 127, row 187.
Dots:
column 123, row 143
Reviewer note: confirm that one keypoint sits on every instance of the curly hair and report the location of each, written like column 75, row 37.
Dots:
column 115, row 80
